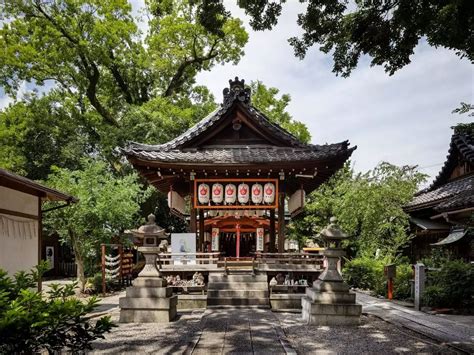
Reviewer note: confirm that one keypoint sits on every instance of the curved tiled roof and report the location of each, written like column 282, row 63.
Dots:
column 460, row 190
column 461, row 143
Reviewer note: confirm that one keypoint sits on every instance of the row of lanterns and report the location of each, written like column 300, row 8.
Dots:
column 242, row 193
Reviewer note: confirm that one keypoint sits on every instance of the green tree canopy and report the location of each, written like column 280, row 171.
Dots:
column 267, row 101
column 387, row 31
column 107, row 206
column 368, row 207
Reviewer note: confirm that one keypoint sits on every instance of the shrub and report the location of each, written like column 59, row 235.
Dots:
column 97, row 283
column 401, row 283
column 31, row 323
column 368, row 273
column 365, row 273
column 450, row 286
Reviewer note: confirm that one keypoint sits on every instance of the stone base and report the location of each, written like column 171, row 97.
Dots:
column 330, row 313
column 286, row 301
column 148, row 301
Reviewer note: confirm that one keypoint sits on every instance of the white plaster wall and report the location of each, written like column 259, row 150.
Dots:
column 18, row 236
column 18, row 201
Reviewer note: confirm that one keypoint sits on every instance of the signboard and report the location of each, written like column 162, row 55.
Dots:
column 215, row 239
column 244, row 193
column 183, row 243
column 260, row 239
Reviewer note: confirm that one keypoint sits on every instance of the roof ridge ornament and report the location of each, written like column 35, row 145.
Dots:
column 236, row 91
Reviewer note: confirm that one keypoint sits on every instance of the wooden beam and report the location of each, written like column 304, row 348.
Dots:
column 201, row 230
column 20, row 214
column 281, row 222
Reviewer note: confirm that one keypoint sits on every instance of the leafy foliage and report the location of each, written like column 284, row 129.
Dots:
column 107, row 206
column 368, row 207
column 387, row 31
column 31, row 323
column 450, row 286
column 267, row 101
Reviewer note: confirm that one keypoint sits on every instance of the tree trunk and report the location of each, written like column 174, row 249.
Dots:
column 81, row 277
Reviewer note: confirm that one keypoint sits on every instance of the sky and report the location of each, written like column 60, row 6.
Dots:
column 404, row 119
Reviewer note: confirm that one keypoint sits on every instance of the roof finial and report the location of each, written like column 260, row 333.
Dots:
column 236, row 91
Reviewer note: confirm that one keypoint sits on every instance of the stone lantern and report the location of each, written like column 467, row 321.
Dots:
column 329, row 301
column 149, row 300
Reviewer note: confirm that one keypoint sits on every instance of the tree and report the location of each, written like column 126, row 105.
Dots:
column 368, row 207
column 267, row 101
column 107, row 206
column 387, row 31
column 94, row 54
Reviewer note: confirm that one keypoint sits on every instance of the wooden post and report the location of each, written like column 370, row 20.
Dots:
column 192, row 222
column 237, row 241
column 103, row 268
column 201, row 230
column 40, row 244
column 281, row 222
column 419, row 284
column 271, row 249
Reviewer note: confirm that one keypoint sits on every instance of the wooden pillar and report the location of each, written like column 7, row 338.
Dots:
column 237, row 240
column 40, row 240
column 192, row 222
column 271, row 249
column 201, row 231
column 281, row 222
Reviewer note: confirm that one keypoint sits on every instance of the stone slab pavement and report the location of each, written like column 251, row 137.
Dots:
column 459, row 335
column 240, row 330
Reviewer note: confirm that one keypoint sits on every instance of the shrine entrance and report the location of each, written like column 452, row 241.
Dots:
column 236, row 177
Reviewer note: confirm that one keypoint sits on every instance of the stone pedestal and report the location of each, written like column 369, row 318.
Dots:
column 148, row 300
column 329, row 301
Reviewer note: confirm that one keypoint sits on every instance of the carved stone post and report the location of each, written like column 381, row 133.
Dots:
column 329, row 301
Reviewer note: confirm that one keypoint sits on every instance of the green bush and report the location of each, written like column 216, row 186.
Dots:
column 401, row 283
column 31, row 323
column 368, row 273
column 365, row 273
column 97, row 283
column 450, row 286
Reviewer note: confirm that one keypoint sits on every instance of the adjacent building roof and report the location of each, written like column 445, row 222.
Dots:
column 20, row 183
column 453, row 237
column 447, row 193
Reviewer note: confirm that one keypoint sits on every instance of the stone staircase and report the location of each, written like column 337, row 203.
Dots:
column 237, row 289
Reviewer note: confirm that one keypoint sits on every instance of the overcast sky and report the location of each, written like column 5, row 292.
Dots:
column 402, row 119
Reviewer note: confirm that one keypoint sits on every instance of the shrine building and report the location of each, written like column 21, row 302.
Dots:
column 236, row 176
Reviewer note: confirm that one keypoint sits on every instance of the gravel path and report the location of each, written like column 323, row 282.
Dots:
column 372, row 336
column 251, row 331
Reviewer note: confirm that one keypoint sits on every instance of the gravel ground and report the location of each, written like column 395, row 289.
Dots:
column 372, row 336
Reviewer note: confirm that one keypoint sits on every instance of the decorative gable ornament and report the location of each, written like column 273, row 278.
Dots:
column 230, row 193
column 257, row 193
column 269, row 193
column 217, row 193
column 243, row 193
column 203, row 194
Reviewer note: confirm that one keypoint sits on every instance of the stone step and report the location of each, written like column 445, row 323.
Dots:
column 238, row 293
column 243, row 306
column 336, row 309
column 237, row 278
column 258, row 285
column 231, row 301
column 331, row 297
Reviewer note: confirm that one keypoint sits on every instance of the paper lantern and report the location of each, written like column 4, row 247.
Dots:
column 269, row 193
column 203, row 194
column 257, row 193
column 243, row 193
column 215, row 239
column 230, row 193
column 260, row 241
column 217, row 193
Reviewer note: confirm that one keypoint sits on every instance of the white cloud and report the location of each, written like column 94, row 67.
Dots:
column 403, row 119
column 6, row 100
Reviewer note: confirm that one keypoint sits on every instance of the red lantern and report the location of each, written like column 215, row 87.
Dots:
column 243, row 193
column 257, row 193
column 269, row 193
column 203, row 194
column 217, row 193
column 230, row 193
